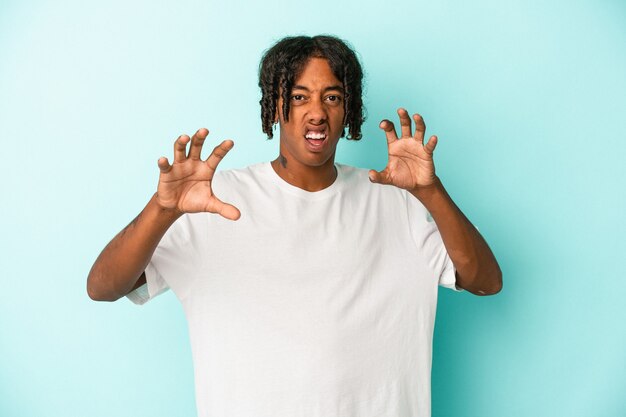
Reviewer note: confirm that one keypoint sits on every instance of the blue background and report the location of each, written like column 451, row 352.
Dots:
column 528, row 100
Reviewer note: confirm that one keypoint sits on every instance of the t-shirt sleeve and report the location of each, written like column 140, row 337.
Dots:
column 430, row 244
column 155, row 285
column 163, row 262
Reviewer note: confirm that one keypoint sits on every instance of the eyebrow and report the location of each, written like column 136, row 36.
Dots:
column 329, row 88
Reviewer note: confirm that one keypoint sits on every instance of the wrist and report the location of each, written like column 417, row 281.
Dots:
column 426, row 193
column 170, row 213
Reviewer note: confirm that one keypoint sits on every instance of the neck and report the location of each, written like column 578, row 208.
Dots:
column 308, row 178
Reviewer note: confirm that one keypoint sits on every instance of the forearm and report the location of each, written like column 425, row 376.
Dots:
column 476, row 266
column 124, row 259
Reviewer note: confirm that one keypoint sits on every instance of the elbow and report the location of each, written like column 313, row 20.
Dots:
column 483, row 282
column 491, row 290
column 95, row 295
column 95, row 292
column 491, row 284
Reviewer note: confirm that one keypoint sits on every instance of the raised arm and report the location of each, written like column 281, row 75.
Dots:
column 184, row 187
column 411, row 167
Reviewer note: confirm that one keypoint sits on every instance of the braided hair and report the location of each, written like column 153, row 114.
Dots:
column 283, row 63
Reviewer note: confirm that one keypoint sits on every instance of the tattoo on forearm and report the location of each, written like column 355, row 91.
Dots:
column 283, row 160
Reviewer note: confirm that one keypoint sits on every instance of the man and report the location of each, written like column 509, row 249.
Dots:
column 320, row 299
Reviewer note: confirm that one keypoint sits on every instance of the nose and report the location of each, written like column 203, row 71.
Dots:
column 317, row 112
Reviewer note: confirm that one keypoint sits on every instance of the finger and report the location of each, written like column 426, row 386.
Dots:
column 219, row 152
column 164, row 164
column 381, row 177
column 228, row 211
column 180, row 147
column 405, row 123
column 420, row 127
column 196, row 143
column 390, row 131
column 431, row 144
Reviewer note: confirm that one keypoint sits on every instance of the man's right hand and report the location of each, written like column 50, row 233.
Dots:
column 185, row 186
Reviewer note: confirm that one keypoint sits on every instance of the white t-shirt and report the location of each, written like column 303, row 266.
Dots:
column 312, row 304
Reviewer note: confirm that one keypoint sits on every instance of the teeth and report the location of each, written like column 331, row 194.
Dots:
column 315, row 136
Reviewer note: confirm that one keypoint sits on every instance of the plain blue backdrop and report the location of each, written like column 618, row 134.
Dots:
column 528, row 99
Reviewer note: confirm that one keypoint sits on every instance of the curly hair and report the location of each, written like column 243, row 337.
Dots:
column 283, row 63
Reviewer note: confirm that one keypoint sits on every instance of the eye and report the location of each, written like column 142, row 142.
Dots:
column 297, row 97
column 333, row 99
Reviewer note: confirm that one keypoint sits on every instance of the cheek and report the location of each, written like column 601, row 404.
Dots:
column 339, row 115
column 337, row 120
column 290, row 138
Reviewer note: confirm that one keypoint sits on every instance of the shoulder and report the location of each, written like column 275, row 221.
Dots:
column 351, row 173
column 241, row 174
column 353, row 183
column 240, row 178
column 358, row 178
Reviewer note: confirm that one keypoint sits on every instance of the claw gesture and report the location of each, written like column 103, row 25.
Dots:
column 185, row 185
column 410, row 163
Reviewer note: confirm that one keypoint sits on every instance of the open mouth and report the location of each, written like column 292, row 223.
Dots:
column 315, row 139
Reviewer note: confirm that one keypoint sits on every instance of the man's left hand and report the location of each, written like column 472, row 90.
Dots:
column 410, row 165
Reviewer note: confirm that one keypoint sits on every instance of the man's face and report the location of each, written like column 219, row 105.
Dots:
column 316, row 116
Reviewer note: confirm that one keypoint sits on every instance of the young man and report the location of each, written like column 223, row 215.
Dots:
column 320, row 299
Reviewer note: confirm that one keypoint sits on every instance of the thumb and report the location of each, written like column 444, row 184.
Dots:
column 378, row 177
column 230, row 212
column 225, row 210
